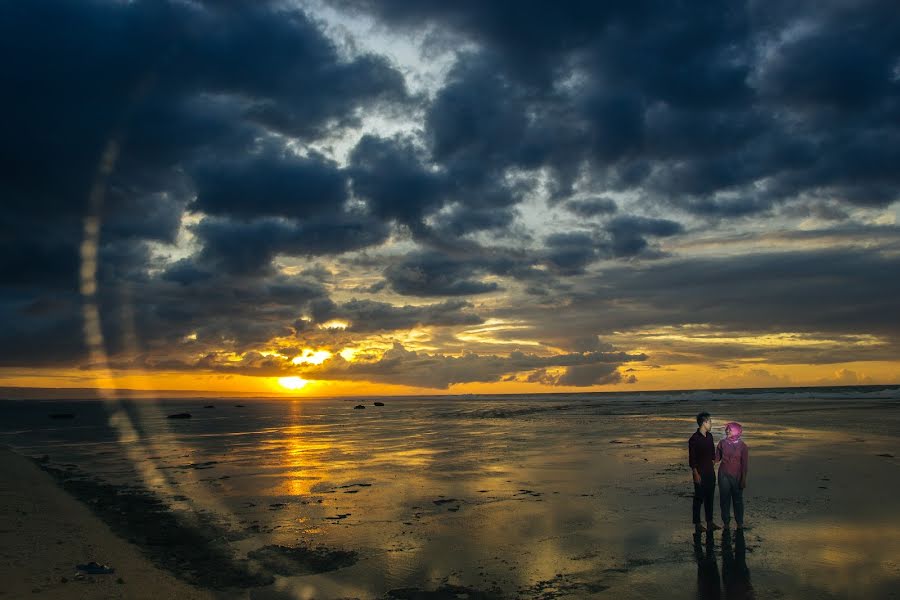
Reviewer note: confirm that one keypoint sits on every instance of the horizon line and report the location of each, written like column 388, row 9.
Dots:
column 44, row 393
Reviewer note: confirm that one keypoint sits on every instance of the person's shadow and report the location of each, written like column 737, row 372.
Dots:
column 735, row 573
column 708, row 583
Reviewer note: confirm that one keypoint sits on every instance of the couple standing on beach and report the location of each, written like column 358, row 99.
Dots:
column 731, row 455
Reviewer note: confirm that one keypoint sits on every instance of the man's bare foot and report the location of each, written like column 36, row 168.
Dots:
column 712, row 526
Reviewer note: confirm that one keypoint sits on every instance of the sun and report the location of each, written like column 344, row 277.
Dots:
column 292, row 383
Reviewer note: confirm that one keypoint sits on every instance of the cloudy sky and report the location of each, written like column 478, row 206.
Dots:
column 370, row 196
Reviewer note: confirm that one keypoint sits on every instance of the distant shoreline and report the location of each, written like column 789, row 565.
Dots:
column 74, row 394
column 36, row 393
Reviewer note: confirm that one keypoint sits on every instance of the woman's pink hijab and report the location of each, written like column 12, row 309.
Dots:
column 737, row 429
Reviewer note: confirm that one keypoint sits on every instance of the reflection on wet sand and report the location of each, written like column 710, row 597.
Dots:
column 735, row 574
column 735, row 579
column 708, row 581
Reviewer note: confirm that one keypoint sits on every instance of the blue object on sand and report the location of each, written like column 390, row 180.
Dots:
column 93, row 568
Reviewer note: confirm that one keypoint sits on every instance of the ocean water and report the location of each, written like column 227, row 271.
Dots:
column 546, row 496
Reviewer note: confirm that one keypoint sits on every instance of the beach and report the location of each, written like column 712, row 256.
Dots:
column 528, row 497
column 45, row 532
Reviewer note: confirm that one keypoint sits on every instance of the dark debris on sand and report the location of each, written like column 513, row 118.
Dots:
column 62, row 416
column 444, row 592
column 562, row 586
column 198, row 466
column 301, row 560
column 445, row 501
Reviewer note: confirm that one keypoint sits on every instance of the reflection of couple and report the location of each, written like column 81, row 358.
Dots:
column 735, row 574
column 732, row 457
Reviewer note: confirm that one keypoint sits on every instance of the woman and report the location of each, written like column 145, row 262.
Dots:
column 732, row 455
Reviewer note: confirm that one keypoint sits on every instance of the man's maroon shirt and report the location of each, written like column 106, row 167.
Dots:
column 702, row 453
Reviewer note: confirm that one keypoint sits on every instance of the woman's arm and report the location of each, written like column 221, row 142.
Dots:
column 719, row 451
column 745, row 457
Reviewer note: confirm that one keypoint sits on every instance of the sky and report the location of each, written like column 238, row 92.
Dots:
column 357, row 197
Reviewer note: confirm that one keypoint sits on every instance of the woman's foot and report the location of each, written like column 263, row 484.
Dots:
column 699, row 528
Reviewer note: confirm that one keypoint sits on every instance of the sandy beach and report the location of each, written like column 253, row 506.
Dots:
column 431, row 499
column 45, row 532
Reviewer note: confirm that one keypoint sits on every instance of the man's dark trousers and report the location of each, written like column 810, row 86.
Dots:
column 704, row 494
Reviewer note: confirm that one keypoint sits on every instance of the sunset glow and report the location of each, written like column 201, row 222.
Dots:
column 292, row 383
column 312, row 357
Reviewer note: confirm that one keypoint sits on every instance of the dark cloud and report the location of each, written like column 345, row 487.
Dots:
column 454, row 182
column 628, row 234
column 41, row 329
column 166, row 78
column 821, row 293
column 570, row 253
column 435, row 274
column 829, row 211
column 479, row 124
column 155, row 217
column 38, row 263
column 458, row 269
column 579, row 376
column 401, row 184
column 130, row 96
column 272, row 183
column 224, row 312
column 391, row 176
column 589, row 344
column 836, row 64
column 621, row 237
column 714, row 346
column 592, row 207
column 460, row 220
column 813, row 291
column 363, row 316
column 723, row 110
column 248, row 247
column 525, row 34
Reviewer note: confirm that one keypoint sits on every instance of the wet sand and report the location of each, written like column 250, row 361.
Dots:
column 549, row 498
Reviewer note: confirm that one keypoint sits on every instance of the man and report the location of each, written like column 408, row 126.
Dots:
column 701, row 457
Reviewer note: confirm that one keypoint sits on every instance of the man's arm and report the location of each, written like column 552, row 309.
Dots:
column 692, row 459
